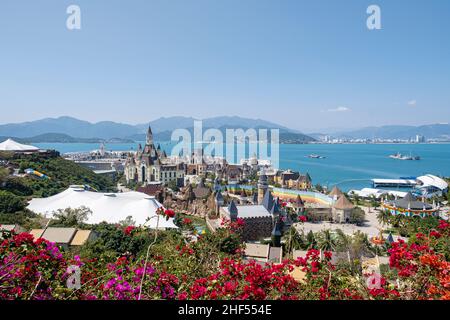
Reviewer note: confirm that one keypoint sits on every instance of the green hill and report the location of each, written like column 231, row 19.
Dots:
column 15, row 191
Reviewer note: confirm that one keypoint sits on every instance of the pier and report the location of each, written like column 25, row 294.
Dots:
column 399, row 183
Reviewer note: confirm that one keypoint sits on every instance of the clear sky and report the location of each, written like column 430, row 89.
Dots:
column 309, row 65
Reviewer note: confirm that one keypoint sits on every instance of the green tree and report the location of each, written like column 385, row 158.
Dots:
column 71, row 217
column 10, row 203
column 326, row 241
column 294, row 240
column 383, row 217
column 374, row 203
column 3, row 174
column 311, row 240
column 357, row 216
column 342, row 241
column 356, row 199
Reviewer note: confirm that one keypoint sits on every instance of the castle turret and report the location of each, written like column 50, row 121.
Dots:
column 149, row 139
column 232, row 209
column 277, row 233
column 262, row 186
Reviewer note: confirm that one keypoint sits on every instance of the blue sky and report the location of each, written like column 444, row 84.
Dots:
column 309, row 65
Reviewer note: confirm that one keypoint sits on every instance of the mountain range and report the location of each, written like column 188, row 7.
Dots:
column 431, row 131
column 68, row 129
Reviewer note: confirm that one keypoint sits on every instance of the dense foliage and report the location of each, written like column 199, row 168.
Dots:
column 15, row 190
column 62, row 173
column 37, row 269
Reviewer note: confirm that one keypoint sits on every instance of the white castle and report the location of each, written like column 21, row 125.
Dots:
column 151, row 164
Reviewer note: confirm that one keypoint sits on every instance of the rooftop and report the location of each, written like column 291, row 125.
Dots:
column 410, row 202
column 343, row 203
column 11, row 145
column 109, row 207
column 251, row 211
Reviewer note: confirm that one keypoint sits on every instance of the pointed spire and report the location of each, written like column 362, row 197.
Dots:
column 255, row 198
column 149, row 139
column 390, row 238
column 216, row 184
column 275, row 209
column 232, row 209
column 299, row 202
column 219, row 197
column 268, row 201
column 277, row 230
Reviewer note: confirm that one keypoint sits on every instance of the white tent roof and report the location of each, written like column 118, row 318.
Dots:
column 378, row 193
column 430, row 180
column 109, row 207
column 11, row 145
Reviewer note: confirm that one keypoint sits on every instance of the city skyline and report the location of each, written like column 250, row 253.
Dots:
column 307, row 66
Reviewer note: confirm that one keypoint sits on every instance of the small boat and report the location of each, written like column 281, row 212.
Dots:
column 399, row 156
column 316, row 156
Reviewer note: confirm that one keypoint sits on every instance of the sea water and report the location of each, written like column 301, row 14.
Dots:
column 350, row 166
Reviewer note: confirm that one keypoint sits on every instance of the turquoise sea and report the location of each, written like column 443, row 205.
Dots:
column 348, row 165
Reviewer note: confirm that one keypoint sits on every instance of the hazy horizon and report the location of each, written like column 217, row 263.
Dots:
column 312, row 66
column 330, row 130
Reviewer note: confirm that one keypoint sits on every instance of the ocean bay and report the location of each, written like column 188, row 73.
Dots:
column 348, row 165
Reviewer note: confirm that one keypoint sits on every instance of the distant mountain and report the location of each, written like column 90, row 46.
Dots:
column 64, row 138
column 167, row 124
column 172, row 123
column 432, row 131
column 68, row 127
column 286, row 137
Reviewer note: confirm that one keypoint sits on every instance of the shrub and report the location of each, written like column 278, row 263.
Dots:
column 10, row 203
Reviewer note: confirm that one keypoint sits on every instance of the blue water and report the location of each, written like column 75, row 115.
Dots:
column 349, row 166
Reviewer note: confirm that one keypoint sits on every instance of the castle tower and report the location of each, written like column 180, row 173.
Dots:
column 262, row 186
column 149, row 139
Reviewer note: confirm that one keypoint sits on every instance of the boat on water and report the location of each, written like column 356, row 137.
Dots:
column 315, row 156
column 399, row 156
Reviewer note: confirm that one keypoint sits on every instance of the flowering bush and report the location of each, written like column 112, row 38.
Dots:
column 28, row 268
column 187, row 222
column 302, row 219
column 238, row 280
column 422, row 265
column 211, row 268
column 128, row 230
column 166, row 213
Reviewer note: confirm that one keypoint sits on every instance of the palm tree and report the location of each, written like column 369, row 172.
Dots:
column 326, row 242
column 342, row 240
column 294, row 240
column 383, row 217
column 373, row 202
column 360, row 244
column 311, row 240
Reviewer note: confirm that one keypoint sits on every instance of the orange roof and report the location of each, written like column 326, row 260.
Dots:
column 343, row 203
column 36, row 233
column 336, row 192
column 81, row 237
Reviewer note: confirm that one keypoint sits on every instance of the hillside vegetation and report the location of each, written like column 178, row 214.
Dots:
column 16, row 190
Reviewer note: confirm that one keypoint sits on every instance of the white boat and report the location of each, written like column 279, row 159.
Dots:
column 399, row 156
column 316, row 156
